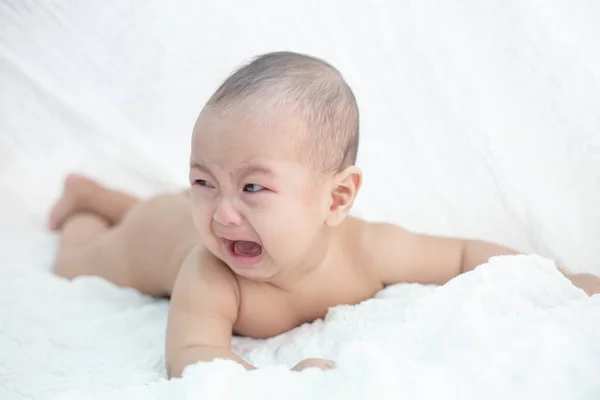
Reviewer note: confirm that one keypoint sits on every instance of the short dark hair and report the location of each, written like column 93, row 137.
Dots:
column 312, row 88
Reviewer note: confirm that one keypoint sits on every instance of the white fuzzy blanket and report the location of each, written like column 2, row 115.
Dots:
column 513, row 328
column 479, row 119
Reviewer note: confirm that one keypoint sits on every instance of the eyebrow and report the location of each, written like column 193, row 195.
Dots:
column 245, row 170
column 200, row 166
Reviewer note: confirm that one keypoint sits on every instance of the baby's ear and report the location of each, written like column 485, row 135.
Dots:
column 345, row 188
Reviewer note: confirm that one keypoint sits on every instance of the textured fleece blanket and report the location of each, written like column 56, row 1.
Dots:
column 512, row 328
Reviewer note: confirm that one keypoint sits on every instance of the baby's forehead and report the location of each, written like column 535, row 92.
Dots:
column 242, row 144
column 261, row 132
column 255, row 116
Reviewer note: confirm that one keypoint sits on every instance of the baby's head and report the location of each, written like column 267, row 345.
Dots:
column 272, row 164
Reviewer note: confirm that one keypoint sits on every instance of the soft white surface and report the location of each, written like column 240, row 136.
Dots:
column 488, row 334
column 479, row 119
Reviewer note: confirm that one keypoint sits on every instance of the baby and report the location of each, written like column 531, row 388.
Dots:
column 263, row 241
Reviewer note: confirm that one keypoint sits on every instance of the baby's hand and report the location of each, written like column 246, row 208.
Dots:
column 314, row 363
column 588, row 282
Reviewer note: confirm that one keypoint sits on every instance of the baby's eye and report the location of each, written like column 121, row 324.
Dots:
column 202, row 182
column 253, row 188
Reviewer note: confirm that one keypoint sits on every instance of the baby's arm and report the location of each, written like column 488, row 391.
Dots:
column 404, row 256
column 203, row 310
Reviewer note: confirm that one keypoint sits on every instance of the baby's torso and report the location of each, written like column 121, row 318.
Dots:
column 267, row 311
column 264, row 310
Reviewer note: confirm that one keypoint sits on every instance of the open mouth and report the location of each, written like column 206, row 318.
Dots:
column 244, row 250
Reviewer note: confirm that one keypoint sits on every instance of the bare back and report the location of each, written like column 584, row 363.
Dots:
column 156, row 236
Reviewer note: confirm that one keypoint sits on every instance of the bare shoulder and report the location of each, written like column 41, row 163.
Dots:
column 203, row 276
column 375, row 231
column 207, row 269
column 204, row 304
column 400, row 255
column 374, row 240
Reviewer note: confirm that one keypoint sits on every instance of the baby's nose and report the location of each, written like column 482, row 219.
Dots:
column 226, row 214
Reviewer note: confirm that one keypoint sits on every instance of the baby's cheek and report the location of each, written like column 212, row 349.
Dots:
column 273, row 229
column 291, row 231
column 201, row 219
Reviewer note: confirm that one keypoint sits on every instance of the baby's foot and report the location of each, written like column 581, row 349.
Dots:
column 75, row 191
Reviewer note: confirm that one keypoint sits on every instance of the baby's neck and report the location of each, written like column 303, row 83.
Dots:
column 318, row 261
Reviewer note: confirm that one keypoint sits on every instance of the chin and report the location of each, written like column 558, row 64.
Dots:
column 254, row 274
column 260, row 270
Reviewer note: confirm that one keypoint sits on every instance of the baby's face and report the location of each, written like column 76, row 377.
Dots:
column 257, row 206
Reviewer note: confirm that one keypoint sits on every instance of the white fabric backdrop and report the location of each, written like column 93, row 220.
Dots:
column 478, row 118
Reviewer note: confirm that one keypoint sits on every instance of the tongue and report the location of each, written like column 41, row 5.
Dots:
column 246, row 249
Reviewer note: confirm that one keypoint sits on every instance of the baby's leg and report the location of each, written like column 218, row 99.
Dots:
column 84, row 214
column 92, row 241
column 81, row 195
column 113, row 235
column 88, row 246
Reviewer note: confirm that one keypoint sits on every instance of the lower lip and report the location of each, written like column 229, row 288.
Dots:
column 247, row 261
